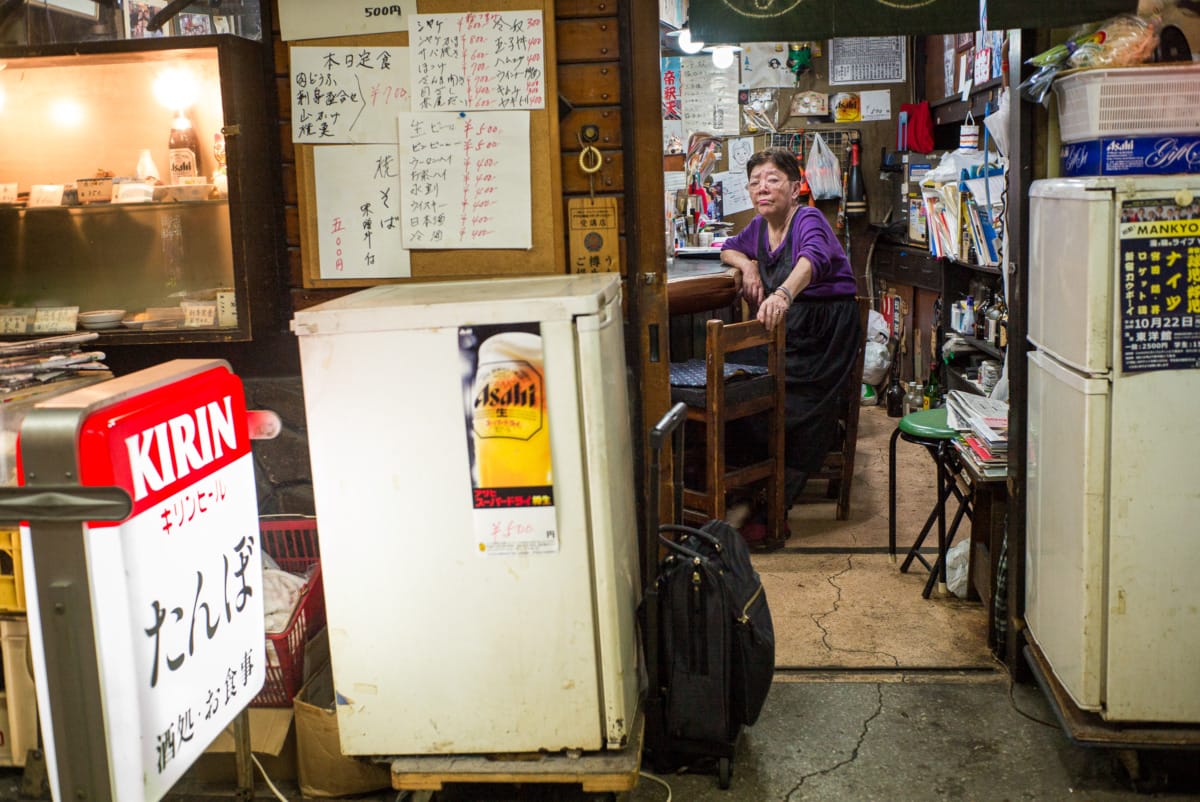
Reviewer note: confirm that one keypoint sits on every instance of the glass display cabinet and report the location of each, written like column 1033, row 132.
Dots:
column 140, row 177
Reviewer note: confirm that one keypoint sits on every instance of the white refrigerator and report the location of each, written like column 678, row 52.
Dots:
column 1113, row 508
column 473, row 479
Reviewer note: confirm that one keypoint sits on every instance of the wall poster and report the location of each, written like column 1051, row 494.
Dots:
column 508, row 439
column 1159, row 285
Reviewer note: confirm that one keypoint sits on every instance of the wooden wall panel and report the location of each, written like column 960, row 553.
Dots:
column 568, row 9
column 606, row 118
column 588, row 39
column 610, row 178
column 590, row 84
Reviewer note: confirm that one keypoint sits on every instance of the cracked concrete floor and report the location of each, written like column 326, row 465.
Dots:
column 909, row 738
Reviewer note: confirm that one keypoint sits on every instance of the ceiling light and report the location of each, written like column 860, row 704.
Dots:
column 687, row 45
column 723, row 55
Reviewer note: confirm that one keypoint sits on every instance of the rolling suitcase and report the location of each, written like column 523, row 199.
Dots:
column 708, row 637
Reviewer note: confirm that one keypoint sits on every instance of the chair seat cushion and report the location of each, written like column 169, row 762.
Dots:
column 927, row 423
column 693, row 373
column 742, row 382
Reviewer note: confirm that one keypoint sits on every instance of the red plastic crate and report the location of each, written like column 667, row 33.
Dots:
column 293, row 544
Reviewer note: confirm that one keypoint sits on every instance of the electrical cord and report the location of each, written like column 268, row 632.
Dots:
column 270, row 784
column 658, row 780
column 1012, row 701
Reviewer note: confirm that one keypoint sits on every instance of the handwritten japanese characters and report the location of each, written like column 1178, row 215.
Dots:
column 465, row 180
column 485, row 60
column 358, row 212
column 348, row 94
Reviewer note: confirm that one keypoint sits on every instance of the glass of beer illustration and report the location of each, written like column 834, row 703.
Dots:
column 512, row 435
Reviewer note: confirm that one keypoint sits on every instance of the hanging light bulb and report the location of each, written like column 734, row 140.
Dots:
column 723, row 56
column 687, row 45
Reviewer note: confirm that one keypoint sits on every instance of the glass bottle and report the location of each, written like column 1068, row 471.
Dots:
column 915, row 398
column 981, row 313
column 992, row 334
column 931, row 398
column 183, row 149
column 895, row 391
column 1002, row 335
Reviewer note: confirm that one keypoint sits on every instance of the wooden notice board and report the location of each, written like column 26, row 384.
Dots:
column 547, row 254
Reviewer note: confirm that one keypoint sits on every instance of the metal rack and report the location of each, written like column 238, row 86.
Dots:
column 800, row 141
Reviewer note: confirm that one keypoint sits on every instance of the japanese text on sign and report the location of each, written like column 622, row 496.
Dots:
column 465, row 180
column 358, row 212
column 348, row 94
column 487, row 60
column 867, row 60
column 1159, row 285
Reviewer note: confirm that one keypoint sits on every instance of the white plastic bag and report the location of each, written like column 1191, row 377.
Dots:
column 823, row 171
column 957, row 559
column 876, row 361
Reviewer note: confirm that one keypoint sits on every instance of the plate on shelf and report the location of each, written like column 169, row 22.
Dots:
column 112, row 324
column 100, row 317
column 134, row 321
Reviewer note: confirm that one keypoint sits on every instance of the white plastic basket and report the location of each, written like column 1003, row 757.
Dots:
column 1129, row 101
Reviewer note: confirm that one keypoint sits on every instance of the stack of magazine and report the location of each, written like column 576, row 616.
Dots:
column 982, row 424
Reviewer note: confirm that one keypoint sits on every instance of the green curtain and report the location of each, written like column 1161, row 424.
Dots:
column 795, row 20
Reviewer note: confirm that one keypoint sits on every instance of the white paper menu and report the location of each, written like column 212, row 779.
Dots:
column 348, row 94
column 465, row 180
column 490, row 60
column 358, row 212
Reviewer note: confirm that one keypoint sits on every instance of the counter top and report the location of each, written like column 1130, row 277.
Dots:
column 698, row 285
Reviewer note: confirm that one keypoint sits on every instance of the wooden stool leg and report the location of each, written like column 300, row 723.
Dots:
column 892, row 494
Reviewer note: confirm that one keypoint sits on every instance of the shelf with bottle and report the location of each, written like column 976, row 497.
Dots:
column 164, row 163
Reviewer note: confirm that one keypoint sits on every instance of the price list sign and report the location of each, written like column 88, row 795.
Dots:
column 1159, row 285
column 487, row 60
column 464, row 180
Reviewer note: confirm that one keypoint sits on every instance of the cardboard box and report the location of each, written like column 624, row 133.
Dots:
column 272, row 740
column 324, row 770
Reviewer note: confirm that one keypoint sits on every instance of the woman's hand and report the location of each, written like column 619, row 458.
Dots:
column 773, row 310
column 752, row 286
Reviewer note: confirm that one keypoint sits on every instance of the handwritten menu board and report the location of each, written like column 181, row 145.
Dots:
column 465, row 180
column 709, row 97
column 358, row 212
column 486, row 60
column 348, row 94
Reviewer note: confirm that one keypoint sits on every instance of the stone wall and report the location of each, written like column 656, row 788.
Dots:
column 281, row 466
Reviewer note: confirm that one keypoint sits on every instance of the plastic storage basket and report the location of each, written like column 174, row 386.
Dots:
column 293, row 544
column 1128, row 101
column 12, row 583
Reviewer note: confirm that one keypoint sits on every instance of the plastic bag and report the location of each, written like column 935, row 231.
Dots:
column 823, row 172
column 1120, row 41
column 877, row 328
column 876, row 361
column 957, row 560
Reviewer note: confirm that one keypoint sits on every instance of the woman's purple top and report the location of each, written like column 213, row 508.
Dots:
column 813, row 237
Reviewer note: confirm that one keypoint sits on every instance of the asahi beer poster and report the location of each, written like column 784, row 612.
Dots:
column 508, row 439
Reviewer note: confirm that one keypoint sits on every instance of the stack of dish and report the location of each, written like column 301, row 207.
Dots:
column 101, row 319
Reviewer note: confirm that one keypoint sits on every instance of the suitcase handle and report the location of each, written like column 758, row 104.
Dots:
column 707, row 537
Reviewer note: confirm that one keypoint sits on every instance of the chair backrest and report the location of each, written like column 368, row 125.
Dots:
column 723, row 339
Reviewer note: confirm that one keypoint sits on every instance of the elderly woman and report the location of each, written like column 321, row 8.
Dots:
column 795, row 274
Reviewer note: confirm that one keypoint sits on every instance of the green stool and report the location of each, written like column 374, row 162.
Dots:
column 928, row 428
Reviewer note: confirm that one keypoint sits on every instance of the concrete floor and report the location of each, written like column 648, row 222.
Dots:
column 893, row 737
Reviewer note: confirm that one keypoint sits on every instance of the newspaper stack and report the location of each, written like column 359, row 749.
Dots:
column 982, row 424
column 37, row 363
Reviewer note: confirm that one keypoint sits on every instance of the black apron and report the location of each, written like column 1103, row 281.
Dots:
column 821, row 346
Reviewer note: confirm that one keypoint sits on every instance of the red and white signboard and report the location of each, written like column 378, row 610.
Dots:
column 176, row 588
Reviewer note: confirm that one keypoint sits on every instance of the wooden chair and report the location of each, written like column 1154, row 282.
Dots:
column 727, row 395
column 838, row 467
